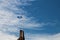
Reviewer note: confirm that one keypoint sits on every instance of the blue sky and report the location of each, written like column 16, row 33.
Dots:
column 46, row 11
column 40, row 19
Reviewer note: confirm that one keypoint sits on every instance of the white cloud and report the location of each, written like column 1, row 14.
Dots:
column 43, row 37
column 9, row 21
column 11, row 4
column 8, row 18
column 4, row 36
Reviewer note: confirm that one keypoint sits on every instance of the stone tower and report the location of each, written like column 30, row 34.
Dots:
column 21, row 37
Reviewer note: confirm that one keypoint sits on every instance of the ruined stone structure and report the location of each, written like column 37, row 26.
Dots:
column 21, row 37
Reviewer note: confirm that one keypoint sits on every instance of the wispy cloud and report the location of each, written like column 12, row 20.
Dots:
column 8, row 18
column 9, row 21
column 43, row 37
column 4, row 36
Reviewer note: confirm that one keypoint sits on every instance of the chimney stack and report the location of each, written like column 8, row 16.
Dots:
column 21, row 37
